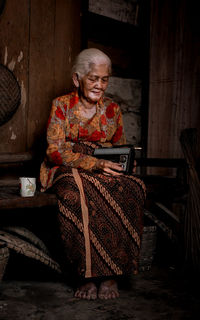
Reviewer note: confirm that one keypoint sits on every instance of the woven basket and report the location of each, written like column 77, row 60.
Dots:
column 148, row 247
column 10, row 94
column 4, row 255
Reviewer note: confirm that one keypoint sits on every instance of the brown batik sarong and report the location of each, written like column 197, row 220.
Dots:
column 100, row 219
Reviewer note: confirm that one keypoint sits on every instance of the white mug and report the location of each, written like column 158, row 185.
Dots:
column 27, row 186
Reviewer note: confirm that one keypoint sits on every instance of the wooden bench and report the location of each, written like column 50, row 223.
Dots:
column 19, row 164
column 23, row 163
column 15, row 201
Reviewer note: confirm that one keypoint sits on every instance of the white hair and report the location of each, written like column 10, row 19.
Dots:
column 87, row 58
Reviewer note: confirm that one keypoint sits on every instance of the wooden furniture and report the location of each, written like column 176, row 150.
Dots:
column 14, row 165
column 13, row 200
column 11, row 167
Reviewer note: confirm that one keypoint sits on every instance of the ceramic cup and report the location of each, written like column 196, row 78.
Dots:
column 27, row 186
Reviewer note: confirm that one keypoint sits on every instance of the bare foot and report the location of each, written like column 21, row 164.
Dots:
column 87, row 291
column 108, row 290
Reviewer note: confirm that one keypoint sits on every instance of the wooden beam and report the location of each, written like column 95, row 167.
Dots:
column 166, row 210
column 15, row 157
column 161, row 162
column 6, row 183
column 39, row 200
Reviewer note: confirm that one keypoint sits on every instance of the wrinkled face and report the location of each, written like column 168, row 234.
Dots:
column 93, row 85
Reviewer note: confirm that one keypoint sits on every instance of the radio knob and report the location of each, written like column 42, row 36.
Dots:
column 122, row 158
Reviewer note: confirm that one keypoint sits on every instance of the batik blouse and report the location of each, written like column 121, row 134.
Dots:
column 66, row 127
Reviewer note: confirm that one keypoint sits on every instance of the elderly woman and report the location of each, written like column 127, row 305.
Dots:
column 100, row 208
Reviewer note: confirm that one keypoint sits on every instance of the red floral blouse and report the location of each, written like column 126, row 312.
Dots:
column 66, row 126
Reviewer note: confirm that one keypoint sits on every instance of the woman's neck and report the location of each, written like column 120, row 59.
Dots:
column 87, row 110
column 87, row 104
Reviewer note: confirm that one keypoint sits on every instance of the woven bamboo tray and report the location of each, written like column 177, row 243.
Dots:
column 4, row 255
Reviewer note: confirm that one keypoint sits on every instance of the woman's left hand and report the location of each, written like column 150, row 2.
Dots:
column 109, row 167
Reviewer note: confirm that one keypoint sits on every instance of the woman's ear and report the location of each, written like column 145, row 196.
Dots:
column 75, row 79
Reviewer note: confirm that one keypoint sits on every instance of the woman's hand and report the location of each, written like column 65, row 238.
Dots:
column 109, row 167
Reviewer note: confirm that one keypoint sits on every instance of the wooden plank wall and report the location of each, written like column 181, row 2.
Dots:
column 174, row 95
column 14, row 50
column 38, row 42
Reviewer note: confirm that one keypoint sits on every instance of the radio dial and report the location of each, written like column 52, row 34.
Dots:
column 123, row 158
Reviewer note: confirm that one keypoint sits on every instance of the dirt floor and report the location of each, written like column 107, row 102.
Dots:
column 30, row 291
column 161, row 293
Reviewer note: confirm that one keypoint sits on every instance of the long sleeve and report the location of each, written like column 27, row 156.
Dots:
column 114, row 116
column 119, row 135
column 59, row 150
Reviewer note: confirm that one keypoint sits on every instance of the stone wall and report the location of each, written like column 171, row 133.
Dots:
column 126, row 92
column 125, row 11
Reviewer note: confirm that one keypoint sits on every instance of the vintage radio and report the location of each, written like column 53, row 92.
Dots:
column 121, row 154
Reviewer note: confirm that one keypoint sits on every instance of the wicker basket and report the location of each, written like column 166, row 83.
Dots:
column 10, row 94
column 148, row 247
column 4, row 255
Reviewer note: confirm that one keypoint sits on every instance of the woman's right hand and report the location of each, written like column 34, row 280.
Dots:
column 109, row 167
